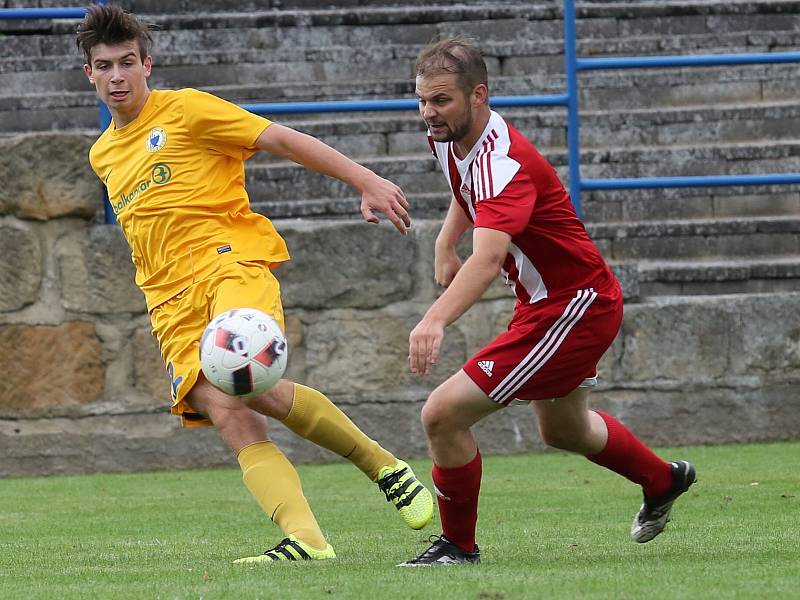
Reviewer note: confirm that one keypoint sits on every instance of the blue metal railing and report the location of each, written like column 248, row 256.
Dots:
column 570, row 100
column 577, row 184
column 285, row 108
column 573, row 65
column 24, row 14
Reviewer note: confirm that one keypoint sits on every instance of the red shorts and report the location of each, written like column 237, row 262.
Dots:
column 550, row 348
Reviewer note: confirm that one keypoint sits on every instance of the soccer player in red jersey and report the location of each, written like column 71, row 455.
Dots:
column 567, row 314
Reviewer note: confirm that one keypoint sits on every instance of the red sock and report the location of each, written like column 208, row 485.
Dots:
column 627, row 455
column 457, row 492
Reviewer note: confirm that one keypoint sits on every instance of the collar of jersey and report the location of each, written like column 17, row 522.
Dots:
column 478, row 145
column 141, row 119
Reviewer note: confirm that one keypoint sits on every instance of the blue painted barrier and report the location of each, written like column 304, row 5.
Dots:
column 19, row 14
column 695, row 60
column 693, row 181
column 285, row 108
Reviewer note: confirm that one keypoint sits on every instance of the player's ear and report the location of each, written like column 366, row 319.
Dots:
column 88, row 70
column 480, row 94
column 148, row 65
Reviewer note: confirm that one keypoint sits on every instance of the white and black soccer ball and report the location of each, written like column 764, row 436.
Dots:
column 243, row 352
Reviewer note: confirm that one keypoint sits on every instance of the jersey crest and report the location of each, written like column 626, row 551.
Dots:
column 156, row 139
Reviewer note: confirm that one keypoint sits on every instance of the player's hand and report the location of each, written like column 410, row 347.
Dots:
column 445, row 265
column 383, row 196
column 423, row 346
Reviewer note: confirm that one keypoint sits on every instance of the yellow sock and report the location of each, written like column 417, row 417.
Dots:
column 275, row 485
column 318, row 420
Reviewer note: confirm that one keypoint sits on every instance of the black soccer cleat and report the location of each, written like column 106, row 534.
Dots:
column 653, row 516
column 443, row 552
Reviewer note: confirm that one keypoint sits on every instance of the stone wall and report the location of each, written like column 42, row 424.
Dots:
column 83, row 388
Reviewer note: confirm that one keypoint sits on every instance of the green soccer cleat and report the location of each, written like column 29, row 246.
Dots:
column 289, row 549
column 409, row 496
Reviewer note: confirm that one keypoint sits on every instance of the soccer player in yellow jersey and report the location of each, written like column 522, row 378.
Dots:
column 173, row 163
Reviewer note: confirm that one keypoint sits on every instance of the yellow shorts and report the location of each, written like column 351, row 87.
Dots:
column 179, row 323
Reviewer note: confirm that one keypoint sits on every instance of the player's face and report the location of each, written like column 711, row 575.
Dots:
column 445, row 108
column 120, row 77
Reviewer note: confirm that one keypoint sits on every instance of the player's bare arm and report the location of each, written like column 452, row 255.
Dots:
column 377, row 194
column 490, row 248
column 446, row 260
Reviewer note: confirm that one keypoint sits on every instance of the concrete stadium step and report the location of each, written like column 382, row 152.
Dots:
column 431, row 205
column 665, row 126
column 390, row 69
column 546, row 127
column 634, row 205
column 689, row 240
column 634, row 122
column 249, row 66
column 420, row 23
column 57, row 53
column 642, row 277
column 519, row 38
column 624, row 20
column 765, row 274
column 284, row 180
column 669, row 258
column 506, row 29
column 686, row 160
column 690, row 203
column 182, row 6
column 364, row 135
column 698, row 239
column 290, row 191
column 346, row 67
column 417, row 173
column 655, row 97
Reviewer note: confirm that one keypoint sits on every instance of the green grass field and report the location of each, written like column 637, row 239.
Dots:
column 551, row 526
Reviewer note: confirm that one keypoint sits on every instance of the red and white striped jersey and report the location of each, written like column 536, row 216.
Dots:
column 505, row 184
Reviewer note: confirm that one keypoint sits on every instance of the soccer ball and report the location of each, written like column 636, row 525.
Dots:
column 243, row 352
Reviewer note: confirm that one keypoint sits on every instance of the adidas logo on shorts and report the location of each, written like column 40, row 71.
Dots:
column 486, row 366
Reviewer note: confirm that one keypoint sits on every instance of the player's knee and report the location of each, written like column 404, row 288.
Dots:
column 432, row 419
column 437, row 414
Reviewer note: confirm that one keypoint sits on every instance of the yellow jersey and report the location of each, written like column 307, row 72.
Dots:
column 175, row 179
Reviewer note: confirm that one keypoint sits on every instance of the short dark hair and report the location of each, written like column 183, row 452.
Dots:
column 110, row 24
column 459, row 56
